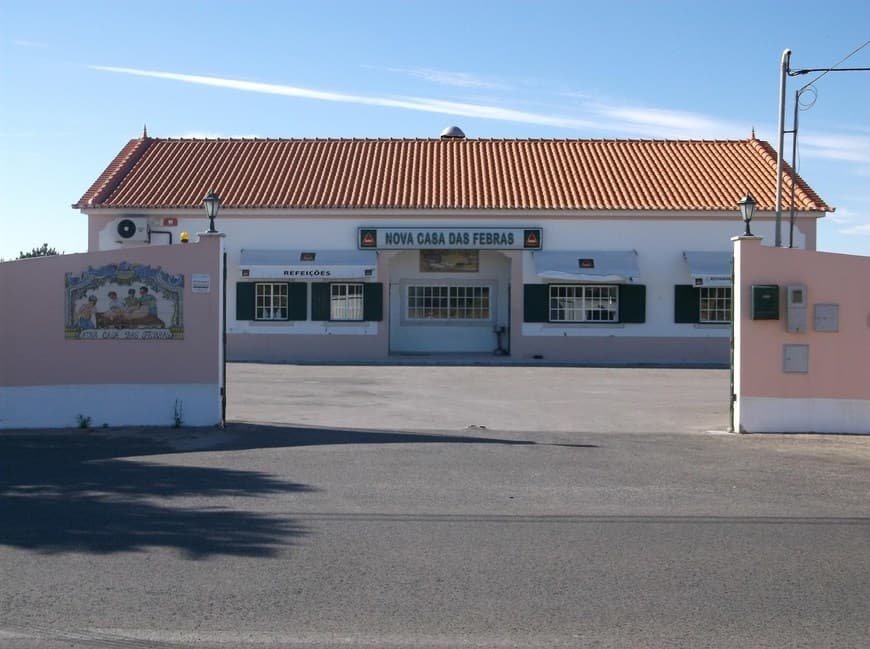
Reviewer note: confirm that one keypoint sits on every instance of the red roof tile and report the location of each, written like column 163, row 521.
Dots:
column 445, row 174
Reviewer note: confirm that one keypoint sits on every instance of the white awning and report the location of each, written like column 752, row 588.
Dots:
column 308, row 264
column 709, row 268
column 588, row 265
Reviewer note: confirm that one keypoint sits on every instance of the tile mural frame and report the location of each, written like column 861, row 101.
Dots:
column 152, row 310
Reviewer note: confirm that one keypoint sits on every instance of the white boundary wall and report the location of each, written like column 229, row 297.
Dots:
column 109, row 405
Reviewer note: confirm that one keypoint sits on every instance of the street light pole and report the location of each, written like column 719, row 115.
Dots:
column 786, row 72
column 783, row 76
column 212, row 204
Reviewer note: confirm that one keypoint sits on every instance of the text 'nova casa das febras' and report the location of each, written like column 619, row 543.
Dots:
column 471, row 239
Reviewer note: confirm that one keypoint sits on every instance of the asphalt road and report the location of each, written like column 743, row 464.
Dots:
column 432, row 534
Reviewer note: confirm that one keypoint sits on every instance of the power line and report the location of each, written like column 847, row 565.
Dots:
column 786, row 72
column 795, row 73
column 833, row 68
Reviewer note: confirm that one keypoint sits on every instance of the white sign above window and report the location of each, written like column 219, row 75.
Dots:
column 450, row 238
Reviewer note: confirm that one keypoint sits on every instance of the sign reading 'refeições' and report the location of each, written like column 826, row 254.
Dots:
column 450, row 238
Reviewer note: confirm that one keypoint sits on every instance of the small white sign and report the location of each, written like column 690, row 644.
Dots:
column 200, row 282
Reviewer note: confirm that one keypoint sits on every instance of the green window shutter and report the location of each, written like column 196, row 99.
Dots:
column 632, row 303
column 687, row 303
column 297, row 301
column 373, row 302
column 536, row 303
column 320, row 301
column 244, row 301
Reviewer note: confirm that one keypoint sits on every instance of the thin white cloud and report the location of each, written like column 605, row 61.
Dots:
column 668, row 123
column 502, row 114
column 849, row 148
column 444, row 77
column 585, row 96
column 618, row 120
column 29, row 44
column 408, row 103
column 859, row 230
column 842, row 216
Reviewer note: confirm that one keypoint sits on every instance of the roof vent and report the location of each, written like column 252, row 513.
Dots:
column 452, row 133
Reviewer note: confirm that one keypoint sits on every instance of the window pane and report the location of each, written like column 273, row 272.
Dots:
column 448, row 303
column 270, row 301
column 583, row 303
column 346, row 302
column 715, row 304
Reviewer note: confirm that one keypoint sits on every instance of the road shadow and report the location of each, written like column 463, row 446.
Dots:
column 244, row 436
column 98, row 491
column 74, row 493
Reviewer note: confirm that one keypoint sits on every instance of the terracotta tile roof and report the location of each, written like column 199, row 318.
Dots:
column 445, row 174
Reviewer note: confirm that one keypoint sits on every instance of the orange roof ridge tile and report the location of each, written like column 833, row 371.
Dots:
column 449, row 141
column 434, row 173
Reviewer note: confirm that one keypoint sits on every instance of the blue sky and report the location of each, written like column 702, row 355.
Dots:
column 80, row 79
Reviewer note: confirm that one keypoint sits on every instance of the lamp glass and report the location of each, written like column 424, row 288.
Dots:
column 747, row 211
column 212, row 204
column 747, row 207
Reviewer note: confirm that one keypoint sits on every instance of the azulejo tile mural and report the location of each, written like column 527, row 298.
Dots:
column 124, row 301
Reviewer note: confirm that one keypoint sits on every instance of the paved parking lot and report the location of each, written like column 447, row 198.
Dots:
column 502, row 398
column 438, row 507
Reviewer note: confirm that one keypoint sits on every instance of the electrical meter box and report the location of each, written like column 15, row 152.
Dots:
column 826, row 317
column 765, row 302
column 796, row 359
column 796, row 308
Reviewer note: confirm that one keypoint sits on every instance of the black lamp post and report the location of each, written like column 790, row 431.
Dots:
column 212, row 204
column 747, row 210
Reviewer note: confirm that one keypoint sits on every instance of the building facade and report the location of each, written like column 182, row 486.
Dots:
column 585, row 251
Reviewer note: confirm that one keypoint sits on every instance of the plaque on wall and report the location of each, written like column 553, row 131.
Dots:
column 124, row 301
column 449, row 261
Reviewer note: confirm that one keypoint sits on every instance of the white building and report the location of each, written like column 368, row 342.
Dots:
column 597, row 251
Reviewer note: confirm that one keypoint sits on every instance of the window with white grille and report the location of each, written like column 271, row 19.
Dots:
column 346, row 302
column 715, row 302
column 271, row 301
column 450, row 303
column 584, row 303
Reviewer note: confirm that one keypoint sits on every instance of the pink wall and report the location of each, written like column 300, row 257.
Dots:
column 34, row 351
column 839, row 362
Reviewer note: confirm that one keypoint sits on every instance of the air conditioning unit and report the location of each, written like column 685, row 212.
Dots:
column 132, row 228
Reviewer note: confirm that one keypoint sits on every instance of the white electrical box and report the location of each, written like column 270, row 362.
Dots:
column 826, row 317
column 796, row 308
column 796, row 359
